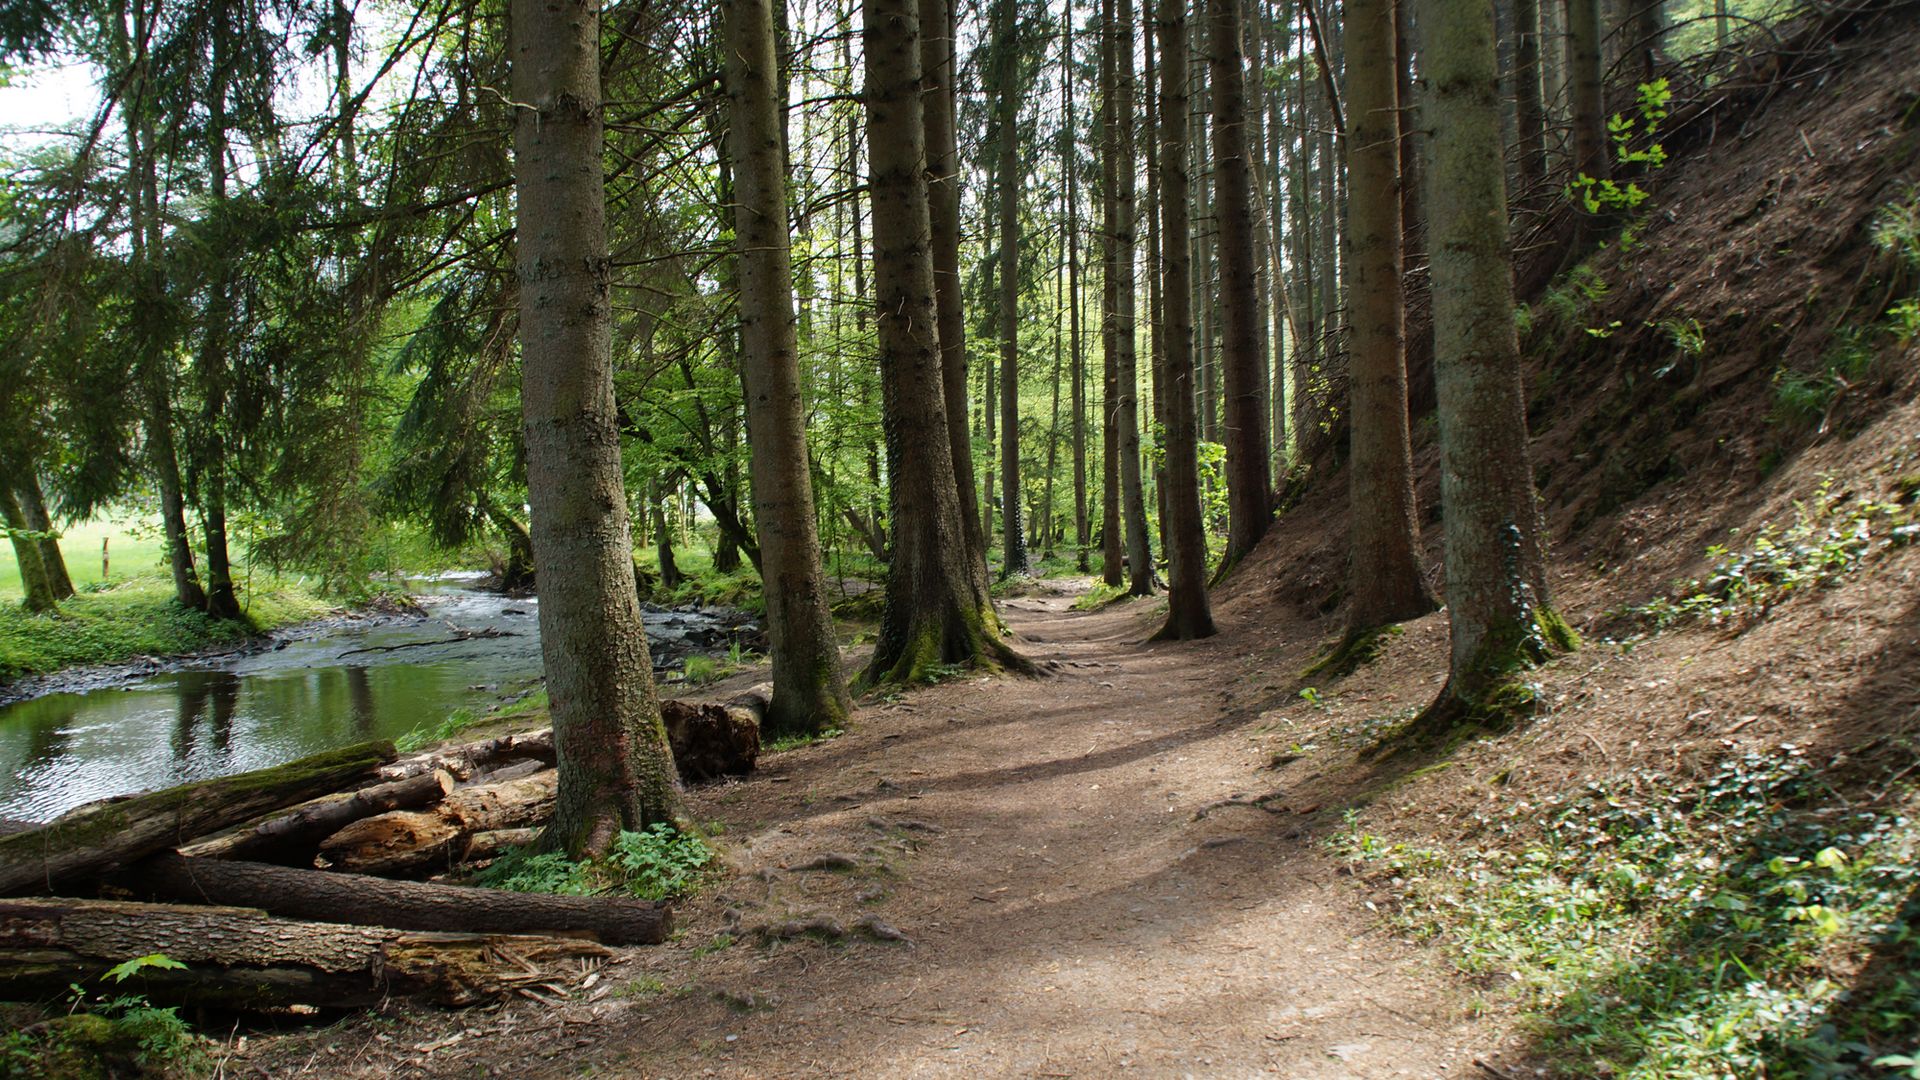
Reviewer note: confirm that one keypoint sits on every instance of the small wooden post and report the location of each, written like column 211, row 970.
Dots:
column 103, row 559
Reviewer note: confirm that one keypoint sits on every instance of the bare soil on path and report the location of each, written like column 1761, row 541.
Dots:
column 1073, row 902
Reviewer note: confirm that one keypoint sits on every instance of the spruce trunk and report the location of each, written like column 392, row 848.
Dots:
column 616, row 771
column 809, row 687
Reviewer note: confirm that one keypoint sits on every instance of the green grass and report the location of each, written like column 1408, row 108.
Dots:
column 134, row 546
column 138, row 617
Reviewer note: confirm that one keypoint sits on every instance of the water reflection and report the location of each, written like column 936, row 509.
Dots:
column 62, row 750
column 323, row 689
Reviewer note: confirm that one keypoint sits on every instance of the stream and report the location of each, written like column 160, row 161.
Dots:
column 310, row 688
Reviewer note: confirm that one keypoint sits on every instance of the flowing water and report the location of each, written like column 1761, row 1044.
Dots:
column 312, row 689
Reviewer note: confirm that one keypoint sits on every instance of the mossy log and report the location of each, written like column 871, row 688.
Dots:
column 420, row 841
column 467, row 759
column 246, row 959
column 95, row 837
column 292, row 838
column 403, row 905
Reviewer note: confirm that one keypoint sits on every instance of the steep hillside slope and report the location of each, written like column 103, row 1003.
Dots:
column 1697, row 858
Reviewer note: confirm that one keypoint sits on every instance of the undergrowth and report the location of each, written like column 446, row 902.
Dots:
column 1831, row 537
column 1749, row 925
column 657, row 863
column 107, row 1034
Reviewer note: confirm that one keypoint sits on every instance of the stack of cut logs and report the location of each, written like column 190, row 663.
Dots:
column 322, row 882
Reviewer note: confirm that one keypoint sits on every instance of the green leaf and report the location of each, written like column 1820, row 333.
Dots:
column 122, row 971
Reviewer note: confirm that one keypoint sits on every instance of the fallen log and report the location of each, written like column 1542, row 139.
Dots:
column 466, row 759
column 403, row 905
column 246, row 959
column 490, row 845
column 115, row 832
column 415, row 841
column 291, row 839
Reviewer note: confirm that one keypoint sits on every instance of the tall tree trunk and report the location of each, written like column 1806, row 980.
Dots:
column 1285, row 339
column 1156, row 300
column 616, row 771
column 1112, row 534
column 1013, row 555
column 1528, row 106
column 1188, row 613
column 26, row 553
column 33, row 504
column 933, row 615
column 212, row 363
column 1497, row 603
column 809, row 687
column 1306, row 346
column 1590, row 156
column 152, row 369
column 1133, row 502
column 1383, row 573
column 658, row 493
column 1070, row 164
column 1648, row 36
column 1205, row 230
column 937, row 65
column 1248, row 487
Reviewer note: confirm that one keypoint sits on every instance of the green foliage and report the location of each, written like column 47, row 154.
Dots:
column 1896, row 228
column 420, row 738
column 1570, row 297
column 1633, row 139
column 656, row 863
column 138, row 617
column 125, row 970
column 1661, row 928
column 106, row 1036
column 1831, row 537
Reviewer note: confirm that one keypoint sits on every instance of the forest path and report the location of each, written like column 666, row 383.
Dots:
column 1036, row 841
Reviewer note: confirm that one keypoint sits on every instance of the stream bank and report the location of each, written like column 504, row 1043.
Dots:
column 93, row 733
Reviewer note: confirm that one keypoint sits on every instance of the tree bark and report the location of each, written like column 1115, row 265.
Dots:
column 1188, row 613
column 1070, row 164
column 809, row 686
column 1249, row 485
column 467, row 759
column 291, row 838
column 1112, row 531
column 360, row 900
column 242, row 958
column 33, row 504
column 615, row 769
column 938, row 68
column 1529, row 108
column 1005, row 54
column 1384, row 577
column 34, row 581
column 1590, row 157
column 417, row 841
column 94, row 837
column 1497, row 603
column 933, row 613
column 1133, row 501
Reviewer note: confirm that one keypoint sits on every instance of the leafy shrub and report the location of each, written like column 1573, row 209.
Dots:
column 656, row 863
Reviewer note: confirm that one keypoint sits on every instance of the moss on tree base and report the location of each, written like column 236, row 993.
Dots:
column 1488, row 693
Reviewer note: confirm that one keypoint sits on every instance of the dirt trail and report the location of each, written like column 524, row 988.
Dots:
column 1067, row 915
